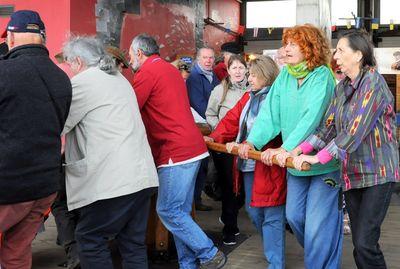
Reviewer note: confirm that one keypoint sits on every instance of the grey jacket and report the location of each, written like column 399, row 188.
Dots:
column 215, row 110
column 107, row 153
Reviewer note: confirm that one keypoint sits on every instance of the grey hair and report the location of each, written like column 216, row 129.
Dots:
column 91, row 52
column 147, row 44
column 204, row 48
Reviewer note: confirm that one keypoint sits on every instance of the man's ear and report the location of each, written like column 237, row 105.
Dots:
column 81, row 65
column 10, row 40
column 139, row 53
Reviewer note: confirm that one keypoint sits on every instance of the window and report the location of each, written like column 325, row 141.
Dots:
column 6, row 10
column 342, row 9
column 390, row 11
column 269, row 14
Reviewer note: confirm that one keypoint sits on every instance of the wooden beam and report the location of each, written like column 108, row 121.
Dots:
column 253, row 154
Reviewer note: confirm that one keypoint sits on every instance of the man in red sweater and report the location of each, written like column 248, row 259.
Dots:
column 227, row 49
column 178, row 148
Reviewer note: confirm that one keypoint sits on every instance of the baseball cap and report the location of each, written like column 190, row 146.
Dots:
column 25, row 21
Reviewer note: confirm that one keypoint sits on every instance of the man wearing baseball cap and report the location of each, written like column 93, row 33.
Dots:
column 34, row 103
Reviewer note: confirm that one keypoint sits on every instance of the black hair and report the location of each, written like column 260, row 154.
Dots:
column 359, row 40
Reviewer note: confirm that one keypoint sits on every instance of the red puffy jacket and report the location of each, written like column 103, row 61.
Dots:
column 269, row 187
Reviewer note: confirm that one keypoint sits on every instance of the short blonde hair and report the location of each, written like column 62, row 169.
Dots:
column 263, row 67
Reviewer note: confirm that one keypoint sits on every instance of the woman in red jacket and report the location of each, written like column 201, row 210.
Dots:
column 265, row 186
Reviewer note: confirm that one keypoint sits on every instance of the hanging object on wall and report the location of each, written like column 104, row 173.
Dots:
column 240, row 30
column 391, row 26
column 348, row 24
column 228, row 27
column 270, row 30
column 218, row 25
column 358, row 22
column 255, row 32
column 375, row 24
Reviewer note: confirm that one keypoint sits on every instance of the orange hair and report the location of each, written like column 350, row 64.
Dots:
column 312, row 42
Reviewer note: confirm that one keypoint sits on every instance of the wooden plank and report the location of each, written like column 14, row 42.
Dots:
column 253, row 154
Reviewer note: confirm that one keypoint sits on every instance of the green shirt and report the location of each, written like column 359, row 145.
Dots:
column 295, row 112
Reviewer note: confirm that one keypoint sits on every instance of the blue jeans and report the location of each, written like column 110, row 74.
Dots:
column 174, row 204
column 314, row 214
column 270, row 223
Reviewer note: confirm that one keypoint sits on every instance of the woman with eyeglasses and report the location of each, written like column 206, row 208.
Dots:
column 359, row 130
column 294, row 108
column 264, row 186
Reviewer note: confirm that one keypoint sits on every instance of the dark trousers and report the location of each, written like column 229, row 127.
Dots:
column 66, row 224
column 224, row 166
column 200, row 180
column 367, row 209
column 124, row 218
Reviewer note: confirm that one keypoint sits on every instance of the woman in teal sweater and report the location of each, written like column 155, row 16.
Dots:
column 295, row 106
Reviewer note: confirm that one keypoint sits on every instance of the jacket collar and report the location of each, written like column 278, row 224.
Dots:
column 260, row 92
column 30, row 49
column 151, row 59
column 351, row 86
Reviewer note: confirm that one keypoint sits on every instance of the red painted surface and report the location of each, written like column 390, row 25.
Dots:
column 174, row 25
column 171, row 24
column 83, row 17
column 60, row 18
column 221, row 11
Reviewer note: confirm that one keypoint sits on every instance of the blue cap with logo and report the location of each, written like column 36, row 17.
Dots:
column 25, row 21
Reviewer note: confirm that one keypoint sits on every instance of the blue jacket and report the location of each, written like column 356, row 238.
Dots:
column 199, row 89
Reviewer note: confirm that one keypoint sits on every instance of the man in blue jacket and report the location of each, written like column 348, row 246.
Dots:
column 200, row 83
column 202, row 80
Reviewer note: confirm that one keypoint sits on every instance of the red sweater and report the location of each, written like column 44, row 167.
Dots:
column 164, row 104
column 269, row 187
column 220, row 71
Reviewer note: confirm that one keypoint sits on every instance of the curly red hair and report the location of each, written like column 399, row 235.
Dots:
column 312, row 42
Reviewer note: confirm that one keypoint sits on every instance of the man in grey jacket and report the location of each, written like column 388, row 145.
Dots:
column 110, row 172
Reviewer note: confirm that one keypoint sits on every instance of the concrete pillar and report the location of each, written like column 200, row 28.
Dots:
column 317, row 12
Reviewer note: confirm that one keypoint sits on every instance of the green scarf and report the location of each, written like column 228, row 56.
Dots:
column 299, row 70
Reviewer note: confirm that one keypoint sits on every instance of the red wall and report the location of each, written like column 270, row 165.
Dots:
column 83, row 17
column 173, row 25
column 221, row 11
column 60, row 18
column 55, row 25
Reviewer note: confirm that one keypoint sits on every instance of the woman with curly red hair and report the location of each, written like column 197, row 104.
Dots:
column 294, row 107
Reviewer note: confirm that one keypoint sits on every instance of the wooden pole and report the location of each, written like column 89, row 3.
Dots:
column 253, row 154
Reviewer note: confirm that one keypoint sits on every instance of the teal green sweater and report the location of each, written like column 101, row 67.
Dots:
column 295, row 112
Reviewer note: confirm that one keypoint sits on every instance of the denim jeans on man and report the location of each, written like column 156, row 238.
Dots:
column 270, row 223
column 174, row 204
column 316, row 218
column 367, row 209
column 125, row 218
